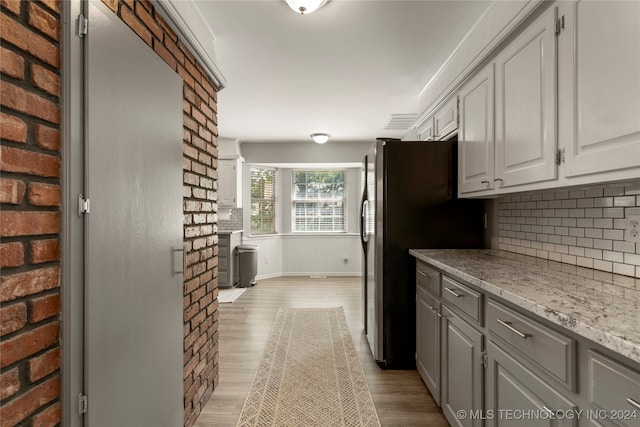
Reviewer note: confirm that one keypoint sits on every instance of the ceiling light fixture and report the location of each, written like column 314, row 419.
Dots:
column 305, row 7
column 320, row 138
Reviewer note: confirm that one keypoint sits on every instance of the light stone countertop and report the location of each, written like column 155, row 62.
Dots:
column 599, row 306
column 229, row 231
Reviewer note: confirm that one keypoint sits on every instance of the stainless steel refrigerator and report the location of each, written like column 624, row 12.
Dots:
column 409, row 201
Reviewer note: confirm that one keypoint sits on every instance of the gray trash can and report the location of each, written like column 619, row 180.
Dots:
column 247, row 257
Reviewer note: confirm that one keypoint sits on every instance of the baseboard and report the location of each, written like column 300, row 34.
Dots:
column 315, row 275
column 268, row 276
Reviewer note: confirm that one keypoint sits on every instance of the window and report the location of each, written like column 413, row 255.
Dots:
column 263, row 201
column 318, row 201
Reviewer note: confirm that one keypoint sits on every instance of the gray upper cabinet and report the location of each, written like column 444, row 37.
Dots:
column 526, row 105
column 441, row 124
column 230, row 183
column 475, row 136
column 462, row 369
column 445, row 120
column 600, row 88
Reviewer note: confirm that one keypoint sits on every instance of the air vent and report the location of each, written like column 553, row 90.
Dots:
column 401, row 121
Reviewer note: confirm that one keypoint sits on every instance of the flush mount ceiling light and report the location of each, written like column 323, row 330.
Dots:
column 320, row 138
column 305, row 7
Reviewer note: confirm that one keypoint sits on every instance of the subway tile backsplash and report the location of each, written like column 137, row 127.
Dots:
column 234, row 223
column 584, row 226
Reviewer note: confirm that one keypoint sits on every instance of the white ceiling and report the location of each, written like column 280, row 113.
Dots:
column 343, row 69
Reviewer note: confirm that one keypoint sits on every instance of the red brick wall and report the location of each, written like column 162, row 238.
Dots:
column 30, row 218
column 30, row 221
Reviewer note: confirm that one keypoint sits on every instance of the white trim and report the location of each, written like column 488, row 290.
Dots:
column 472, row 64
column 307, row 275
column 72, row 233
column 187, row 20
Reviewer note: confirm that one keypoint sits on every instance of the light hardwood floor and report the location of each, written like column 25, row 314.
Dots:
column 401, row 397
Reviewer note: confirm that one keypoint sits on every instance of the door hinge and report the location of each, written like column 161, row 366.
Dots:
column 484, row 359
column 83, row 405
column 84, row 205
column 560, row 156
column 559, row 25
column 83, row 26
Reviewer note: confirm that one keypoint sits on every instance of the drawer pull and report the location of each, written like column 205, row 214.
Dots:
column 512, row 329
column 454, row 293
column 422, row 273
column 633, row 403
column 439, row 315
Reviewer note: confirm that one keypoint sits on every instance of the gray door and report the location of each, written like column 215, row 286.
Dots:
column 462, row 373
column 133, row 307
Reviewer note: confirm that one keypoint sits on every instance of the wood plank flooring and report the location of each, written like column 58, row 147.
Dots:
column 401, row 397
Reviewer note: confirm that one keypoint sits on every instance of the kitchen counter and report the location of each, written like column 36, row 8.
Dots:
column 599, row 306
column 229, row 231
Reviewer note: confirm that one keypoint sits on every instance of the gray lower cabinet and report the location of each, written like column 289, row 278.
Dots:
column 614, row 389
column 489, row 363
column 462, row 370
column 517, row 396
column 428, row 341
column 227, row 269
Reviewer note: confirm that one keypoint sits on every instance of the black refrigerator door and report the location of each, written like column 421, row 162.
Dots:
column 421, row 211
column 363, row 239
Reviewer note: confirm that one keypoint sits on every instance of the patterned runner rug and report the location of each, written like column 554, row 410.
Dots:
column 310, row 374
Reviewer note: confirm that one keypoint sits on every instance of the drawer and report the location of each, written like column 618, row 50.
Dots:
column 428, row 278
column 462, row 297
column 431, row 302
column 543, row 347
column 614, row 388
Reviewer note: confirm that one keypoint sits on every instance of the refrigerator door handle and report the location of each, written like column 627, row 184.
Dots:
column 364, row 208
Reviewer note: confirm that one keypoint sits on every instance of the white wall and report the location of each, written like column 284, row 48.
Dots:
column 322, row 255
column 293, row 254
column 270, row 253
column 306, row 152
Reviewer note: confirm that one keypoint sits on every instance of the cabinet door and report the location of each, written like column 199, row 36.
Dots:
column 526, row 105
column 428, row 341
column 512, row 389
column 475, row 136
column 462, row 370
column 445, row 120
column 600, row 87
column 227, row 179
column 224, row 261
column 425, row 132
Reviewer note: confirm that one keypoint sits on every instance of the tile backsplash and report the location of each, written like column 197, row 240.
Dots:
column 580, row 226
column 233, row 223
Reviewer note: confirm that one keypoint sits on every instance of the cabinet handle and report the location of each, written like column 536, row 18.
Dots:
column 512, row 329
column 422, row 273
column 632, row 402
column 498, row 180
column 454, row 293
column 485, row 182
column 439, row 315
